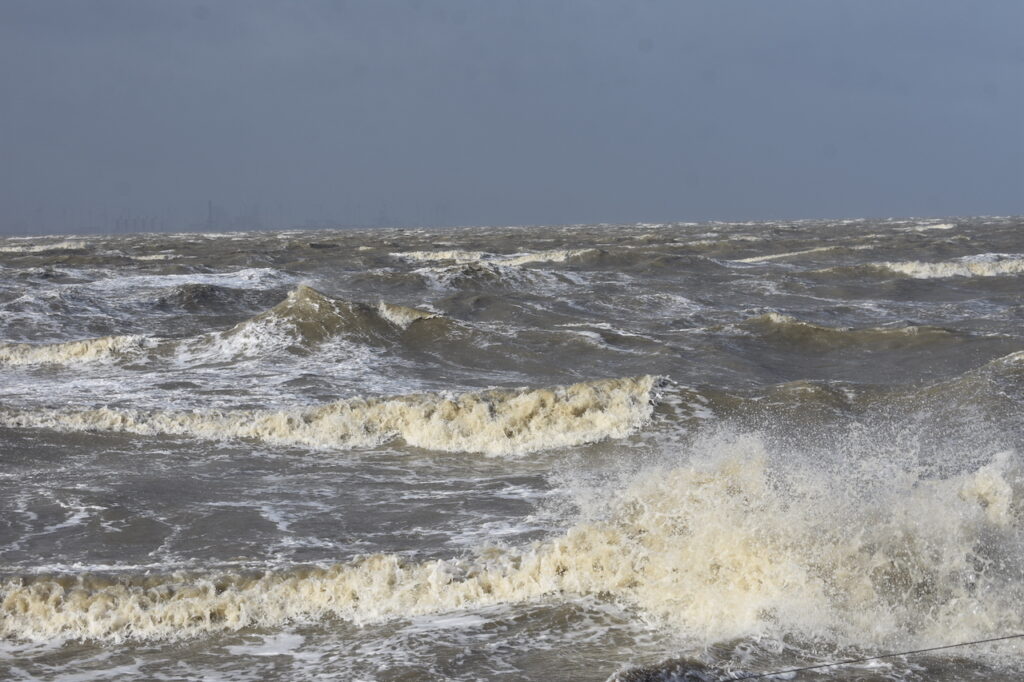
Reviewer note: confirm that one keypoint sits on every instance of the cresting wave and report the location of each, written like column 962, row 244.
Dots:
column 308, row 316
column 982, row 265
column 459, row 256
column 737, row 540
column 990, row 265
column 495, row 422
column 101, row 349
column 305, row 318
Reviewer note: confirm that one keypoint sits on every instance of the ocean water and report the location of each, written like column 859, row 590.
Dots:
column 627, row 452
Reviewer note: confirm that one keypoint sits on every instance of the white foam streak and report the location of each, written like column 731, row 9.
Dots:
column 790, row 254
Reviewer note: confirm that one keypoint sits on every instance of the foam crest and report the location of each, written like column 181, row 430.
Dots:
column 402, row 316
column 552, row 256
column 459, row 256
column 66, row 245
column 495, row 422
column 733, row 543
column 103, row 349
column 304, row 319
column 983, row 265
column 924, row 227
column 455, row 255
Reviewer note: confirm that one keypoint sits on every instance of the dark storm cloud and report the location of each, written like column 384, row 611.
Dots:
column 505, row 112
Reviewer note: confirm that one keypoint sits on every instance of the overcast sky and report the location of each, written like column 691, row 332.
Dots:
column 137, row 113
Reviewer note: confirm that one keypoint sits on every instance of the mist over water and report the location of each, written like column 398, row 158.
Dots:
column 580, row 452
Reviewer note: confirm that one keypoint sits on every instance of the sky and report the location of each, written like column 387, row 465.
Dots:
column 141, row 114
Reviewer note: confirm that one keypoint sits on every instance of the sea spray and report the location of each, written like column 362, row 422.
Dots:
column 728, row 542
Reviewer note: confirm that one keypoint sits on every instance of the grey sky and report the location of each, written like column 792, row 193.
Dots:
column 135, row 113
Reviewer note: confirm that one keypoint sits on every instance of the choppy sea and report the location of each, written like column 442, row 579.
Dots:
column 627, row 452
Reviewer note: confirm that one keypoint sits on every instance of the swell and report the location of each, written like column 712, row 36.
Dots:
column 495, row 422
column 791, row 331
column 737, row 538
column 994, row 390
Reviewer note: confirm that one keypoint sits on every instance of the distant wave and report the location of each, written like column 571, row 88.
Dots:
column 460, row 256
column 774, row 326
column 477, row 274
column 979, row 265
column 924, row 227
column 494, row 422
column 67, row 245
column 983, row 265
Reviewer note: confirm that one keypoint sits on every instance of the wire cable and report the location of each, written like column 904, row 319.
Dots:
column 873, row 658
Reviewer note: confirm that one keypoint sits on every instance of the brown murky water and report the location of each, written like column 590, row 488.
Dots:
column 513, row 453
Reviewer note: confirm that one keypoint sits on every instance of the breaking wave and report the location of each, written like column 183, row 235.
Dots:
column 460, row 256
column 738, row 538
column 494, row 422
column 983, row 265
column 103, row 349
column 479, row 274
column 303, row 320
column 308, row 317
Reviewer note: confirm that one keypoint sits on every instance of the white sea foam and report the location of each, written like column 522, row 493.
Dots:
column 924, row 227
column 982, row 265
column 155, row 256
column 402, row 316
column 102, row 349
column 725, row 545
column 495, row 422
column 246, row 278
column 305, row 318
column 459, row 256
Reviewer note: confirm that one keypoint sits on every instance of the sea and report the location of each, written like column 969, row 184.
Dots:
column 679, row 451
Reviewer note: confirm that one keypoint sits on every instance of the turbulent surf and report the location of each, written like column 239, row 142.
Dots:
column 632, row 452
